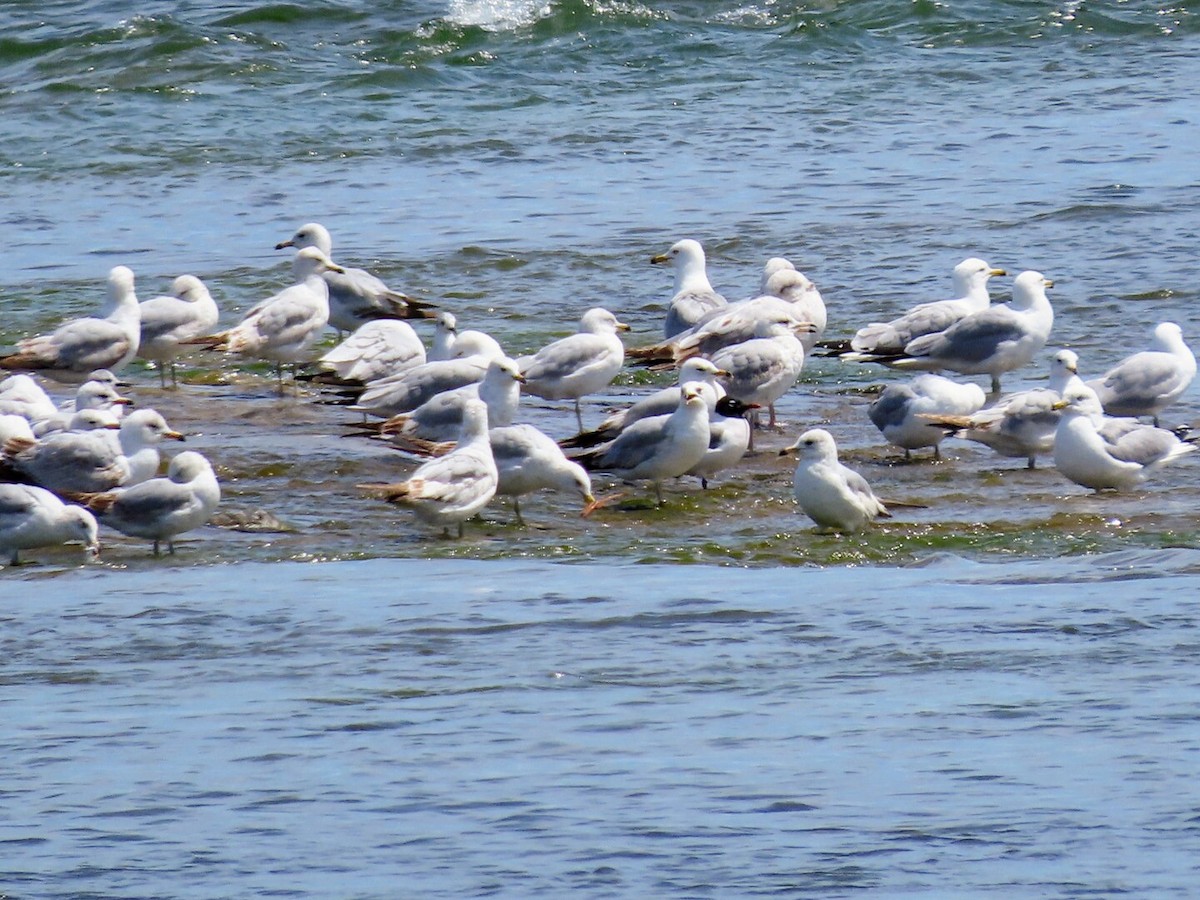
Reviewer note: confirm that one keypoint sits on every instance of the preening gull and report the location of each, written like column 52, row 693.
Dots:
column 355, row 295
column 167, row 321
column 161, row 508
column 580, row 364
column 77, row 347
column 834, row 496
column 379, row 348
column 1148, row 382
column 1085, row 455
column 900, row 412
column 694, row 295
column 31, row 517
column 450, row 489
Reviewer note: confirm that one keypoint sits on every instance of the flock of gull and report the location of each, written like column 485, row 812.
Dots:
column 68, row 467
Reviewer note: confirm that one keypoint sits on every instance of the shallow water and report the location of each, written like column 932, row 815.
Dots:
column 992, row 694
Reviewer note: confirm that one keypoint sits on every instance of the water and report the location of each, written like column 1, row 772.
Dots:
column 992, row 694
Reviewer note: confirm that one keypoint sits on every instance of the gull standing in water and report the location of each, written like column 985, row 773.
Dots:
column 1087, row 456
column 72, row 351
column 1148, row 382
column 1020, row 425
column 900, row 412
column 161, row 508
column 763, row 369
column 789, row 296
column 168, row 321
column 696, row 371
column 889, row 339
column 284, row 327
column 450, row 489
column 999, row 339
column 404, row 392
column 355, row 295
column 379, row 348
column 694, row 296
column 577, row 365
column 659, row 447
column 835, row 497
column 440, row 418
column 32, row 517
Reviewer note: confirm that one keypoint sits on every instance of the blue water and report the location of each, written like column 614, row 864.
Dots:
column 992, row 696
column 400, row 728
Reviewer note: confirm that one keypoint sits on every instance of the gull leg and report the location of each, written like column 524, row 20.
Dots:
column 578, row 415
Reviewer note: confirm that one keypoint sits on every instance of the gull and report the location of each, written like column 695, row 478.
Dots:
column 89, row 395
column 379, row 348
column 450, row 489
column 694, row 296
column 139, row 437
column 21, row 396
column 901, row 412
column 440, row 418
column 161, row 508
column 765, row 368
column 888, row 339
column 527, row 460
column 355, row 295
column 88, row 461
column 999, row 339
column 31, row 517
column 835, row 497
column 407, row 390
column 1018, row 425
column 696, row 371
column 657, row 448
column 728, row 439
column 1148, row 382
column 77, row 347
column 15, row 426
column 789, row 296
column 1090, row 457
column 445, row 333
column 168, row 321
column 577, row 365
column 284, row 327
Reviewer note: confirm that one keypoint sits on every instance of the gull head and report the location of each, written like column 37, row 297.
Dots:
column 733, row 408
column 189, row 288
column 599, row 320
column 1079, row 400
column 312, row 234
column 313, row 261
column 149, row 427
column 1066, row 361
column 682, row 253
column 700, row 369
column 815, row 444
column 81, row 525
column 1167, row 336
column 972, row 275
